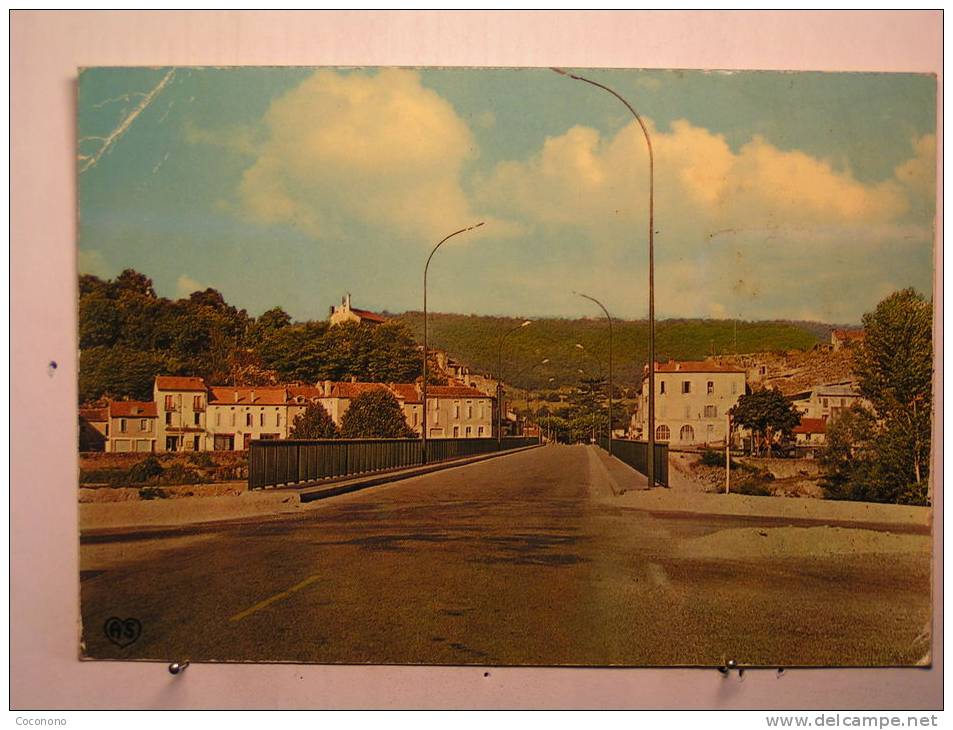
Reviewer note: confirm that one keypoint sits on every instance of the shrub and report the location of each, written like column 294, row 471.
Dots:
column 148, row 493
column 202, row 459
column 145, row 470
column 179, row 474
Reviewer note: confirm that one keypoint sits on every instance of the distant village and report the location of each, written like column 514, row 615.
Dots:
column 693, row 399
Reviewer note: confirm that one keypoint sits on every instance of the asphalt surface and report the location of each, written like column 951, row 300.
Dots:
column 527, row 559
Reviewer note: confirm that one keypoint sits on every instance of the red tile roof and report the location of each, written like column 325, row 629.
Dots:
column 265, row 395
column 94, row 415
column 305, row 391
column 177, row 382
column 370, row 316
column 406, row 392
column 132, row 409
column 350, row 390
column 812, row 425
column 694, row 366
column 454, row 391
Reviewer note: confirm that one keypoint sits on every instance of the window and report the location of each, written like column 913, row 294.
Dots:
column 197, row 403
column 168, row 403
column 261, row 418
column 122, row 425
column 456, row 432
column 661, row 387
column 233, row 416
column 711, row 387
column 687, row 435
column 469, row 431
column 711, row 412
column 143, row 424
column 825, row 402
column 278, row 418
column 482, row 412
column 197, row 417
column 662, row 433
column 469, row 411
column 168, row 419
column 479, row 430
column 195, row 443
column 218, row 418
column 734, row 388
column 415, row 418
column 248, row 419
column 686, row 387
column 456, row 410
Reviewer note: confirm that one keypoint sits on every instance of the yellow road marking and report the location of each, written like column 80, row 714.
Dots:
column 277, row 597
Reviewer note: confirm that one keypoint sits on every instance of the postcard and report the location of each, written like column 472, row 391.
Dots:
column 506, row 366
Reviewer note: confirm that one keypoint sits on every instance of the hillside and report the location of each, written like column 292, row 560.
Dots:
column 474, row 340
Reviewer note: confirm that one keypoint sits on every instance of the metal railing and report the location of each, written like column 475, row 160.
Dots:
column 634, row 454
column 273, row 463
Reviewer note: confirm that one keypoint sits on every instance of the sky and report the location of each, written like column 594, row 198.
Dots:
column 777, row 195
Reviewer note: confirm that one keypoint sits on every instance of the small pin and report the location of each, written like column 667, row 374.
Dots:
column 178, row 667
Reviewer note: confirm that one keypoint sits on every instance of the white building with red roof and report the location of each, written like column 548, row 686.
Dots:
column 180, row 403
column 692, row 399
column 131, row 426
column 347, row 313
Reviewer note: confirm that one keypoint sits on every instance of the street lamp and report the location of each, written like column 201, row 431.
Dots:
column 499, row 382
column 650, row 457
column 423, row 397
column 608, row 317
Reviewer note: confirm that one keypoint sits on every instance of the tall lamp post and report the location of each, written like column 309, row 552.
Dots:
column 499, row 382
column 609, row 318
column 423, row 397
column 650, row 460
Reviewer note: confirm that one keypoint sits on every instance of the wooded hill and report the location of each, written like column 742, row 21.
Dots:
column 474, row 340
column 128, row 335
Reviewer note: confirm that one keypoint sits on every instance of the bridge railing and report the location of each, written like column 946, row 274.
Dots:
column 635, row 454
column 278, row 462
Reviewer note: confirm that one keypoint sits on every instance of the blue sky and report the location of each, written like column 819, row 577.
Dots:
column 778, row 195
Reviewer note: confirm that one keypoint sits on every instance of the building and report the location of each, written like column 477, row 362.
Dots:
column 692, row 400
column 827, row 401
column 347, row 313
column 93, row 428
column 811, row 432
column 846, row 338
column 180, row 404
column 188, row 415
column 132, row 425
column 458, row 411
column 235, row 416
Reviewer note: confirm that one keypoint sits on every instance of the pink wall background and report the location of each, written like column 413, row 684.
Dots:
column 47, row 48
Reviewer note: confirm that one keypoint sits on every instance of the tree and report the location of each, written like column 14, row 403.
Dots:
column 849, row 459
column 768, row 414
column 375, row 414
column 313, row 423
column 895, row 369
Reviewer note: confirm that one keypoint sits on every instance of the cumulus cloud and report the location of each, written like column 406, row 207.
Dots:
column 753, row 231
column 376, row 147
column 185, row 285
column 91, row 261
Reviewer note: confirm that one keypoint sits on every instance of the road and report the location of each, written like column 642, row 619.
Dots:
column 526, row 559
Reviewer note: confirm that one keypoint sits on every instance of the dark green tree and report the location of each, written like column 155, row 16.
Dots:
column 895, row 369
column 375, row 414
column 313, row 423
column 118, row 372
column 768, row 414
column 849, row 460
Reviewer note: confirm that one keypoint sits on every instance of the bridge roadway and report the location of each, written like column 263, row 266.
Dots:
column 525, row 559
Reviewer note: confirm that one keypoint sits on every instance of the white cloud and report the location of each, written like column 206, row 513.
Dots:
column 185, row 285
column 380, row 148
column 91, row 261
